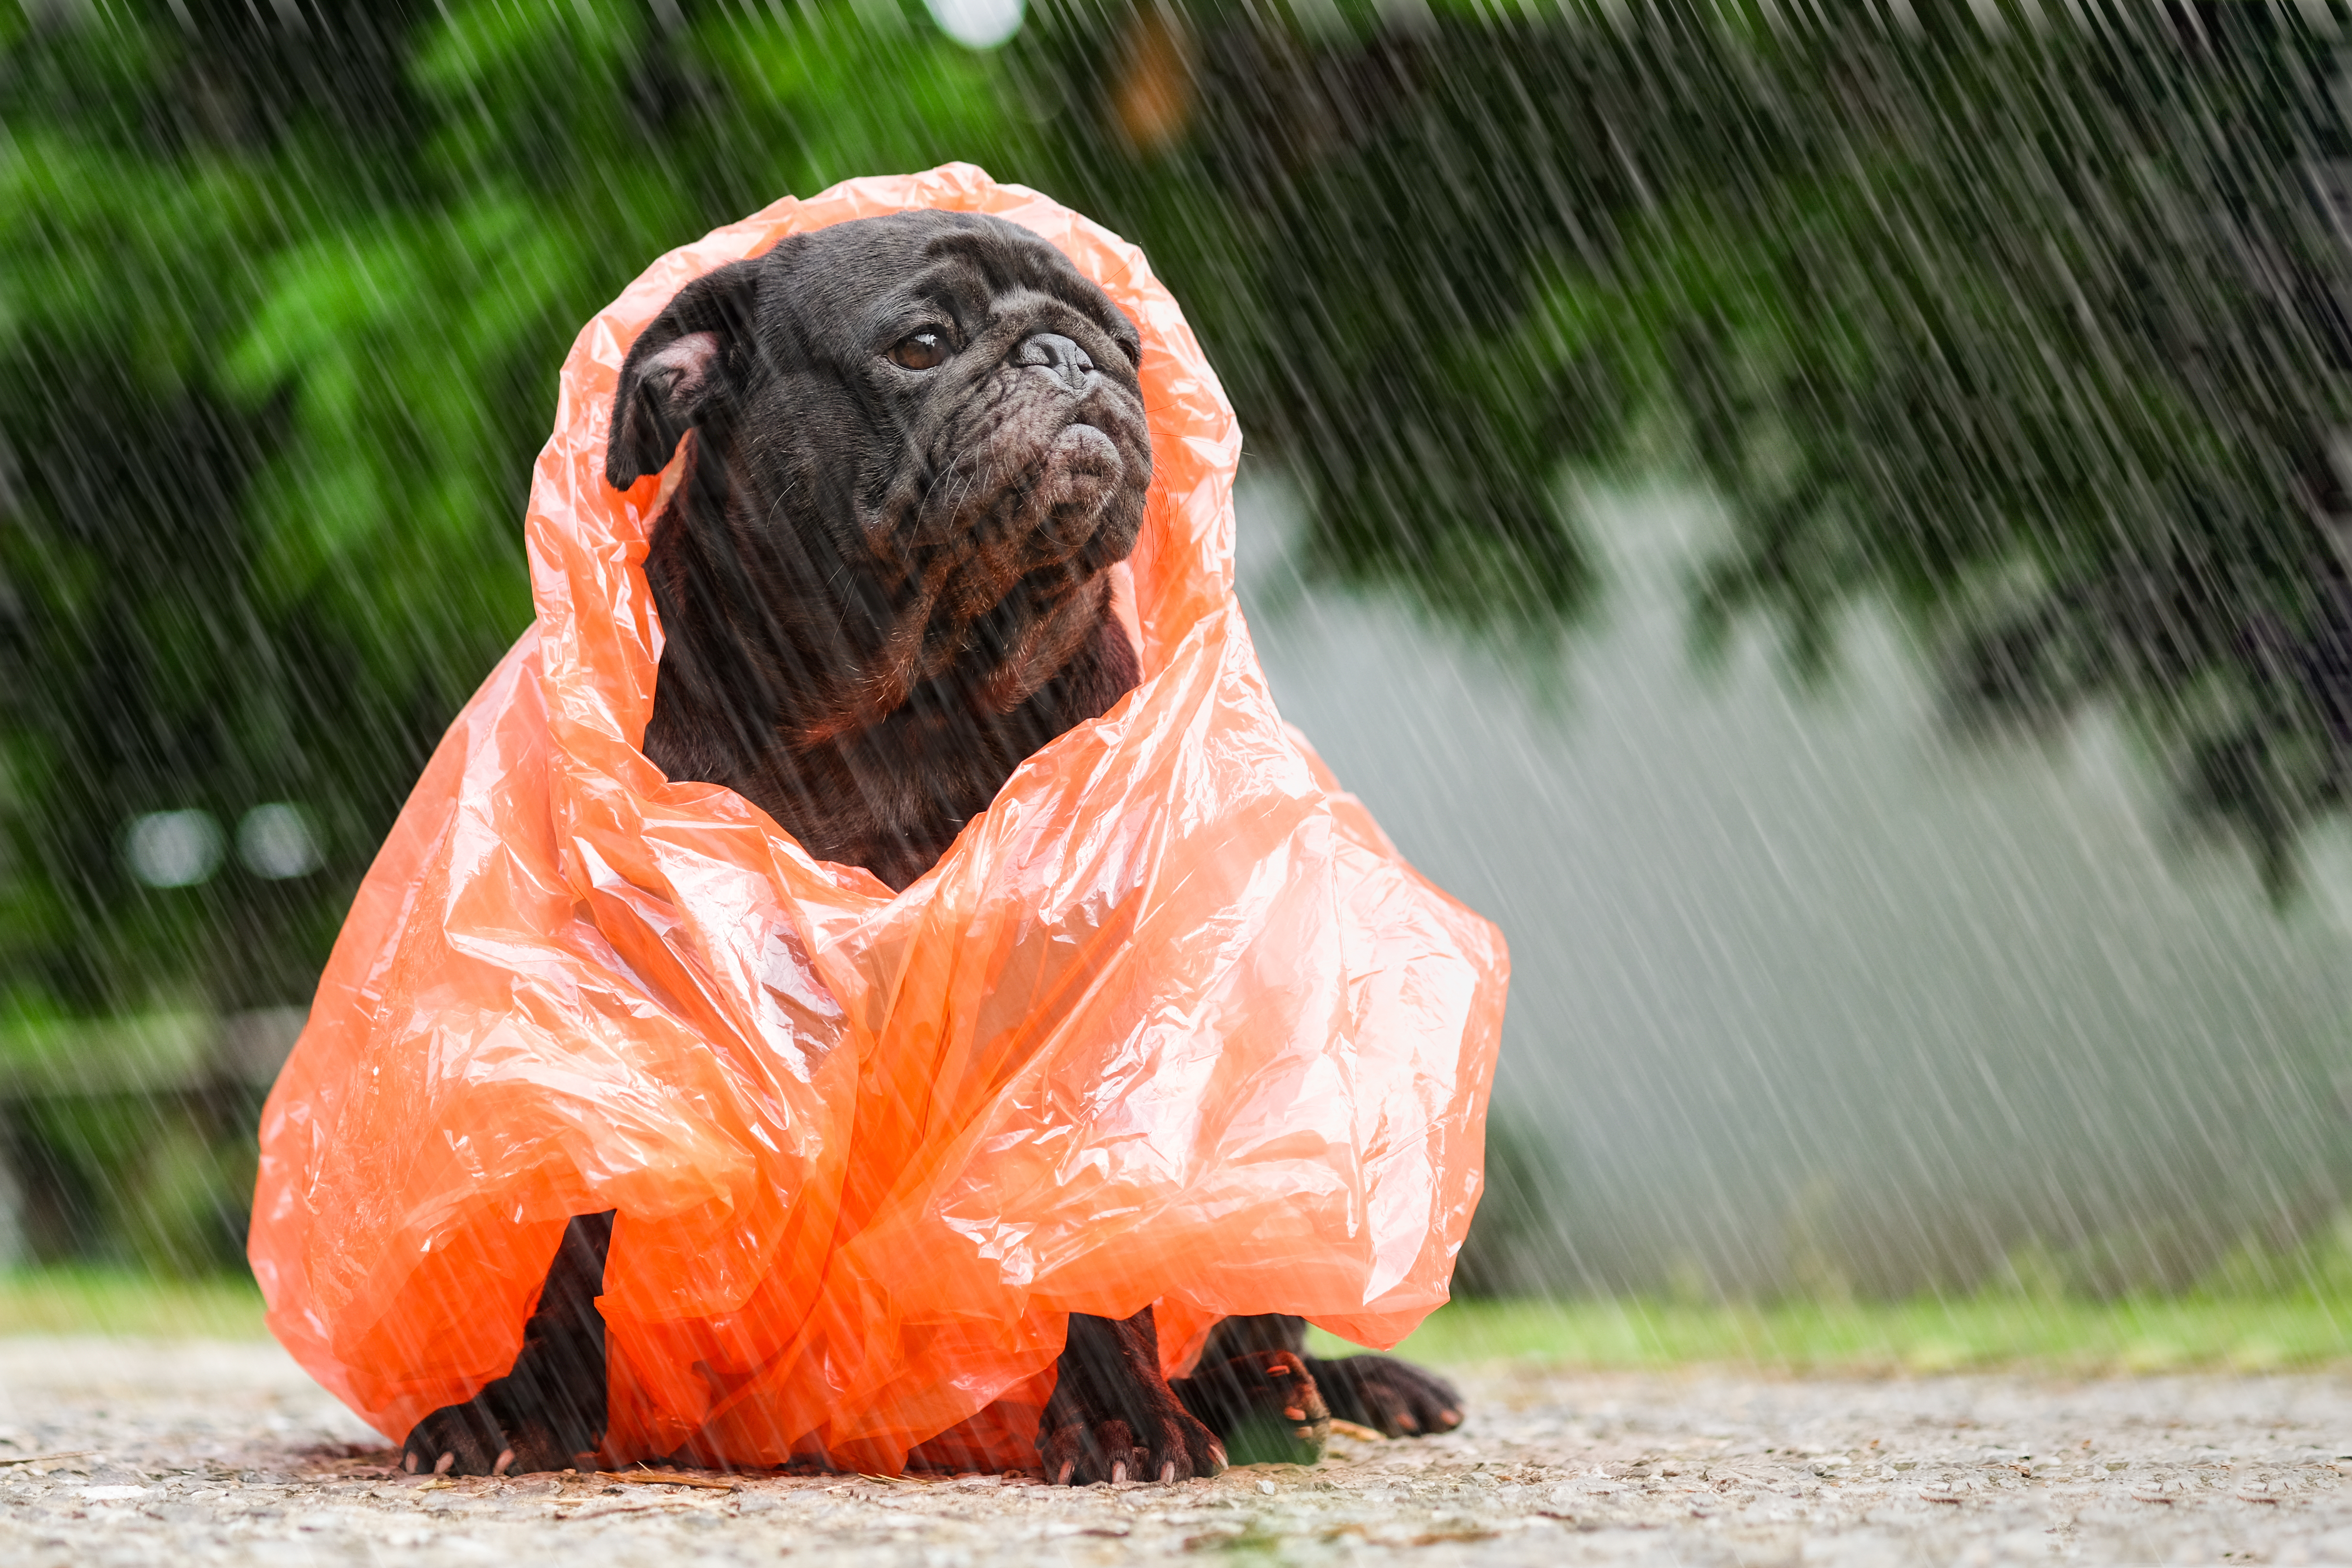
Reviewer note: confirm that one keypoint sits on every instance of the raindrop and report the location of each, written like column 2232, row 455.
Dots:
column 277, row 841
column 977, row 24
column 173, row 848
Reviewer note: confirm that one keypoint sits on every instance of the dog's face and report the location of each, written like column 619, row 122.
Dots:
column 937, row 404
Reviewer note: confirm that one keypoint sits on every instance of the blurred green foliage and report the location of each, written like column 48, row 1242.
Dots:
column 2033, row 333
column 283, row 308
column 2042, row 345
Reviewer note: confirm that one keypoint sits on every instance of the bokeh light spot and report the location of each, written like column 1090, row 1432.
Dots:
column 977, row 24
column 173, row 848
column 277, row 841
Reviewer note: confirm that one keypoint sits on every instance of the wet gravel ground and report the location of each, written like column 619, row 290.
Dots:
column 119, row 1452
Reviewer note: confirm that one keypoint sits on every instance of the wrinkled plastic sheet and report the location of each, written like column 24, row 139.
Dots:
column 1171, row 1023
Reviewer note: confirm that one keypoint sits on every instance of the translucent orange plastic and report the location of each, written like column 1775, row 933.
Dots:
column 1171, row 1023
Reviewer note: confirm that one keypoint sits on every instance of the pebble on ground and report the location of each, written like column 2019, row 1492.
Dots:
column 120, row 1452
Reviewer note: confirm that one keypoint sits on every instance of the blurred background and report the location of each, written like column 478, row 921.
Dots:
column 1828, row 520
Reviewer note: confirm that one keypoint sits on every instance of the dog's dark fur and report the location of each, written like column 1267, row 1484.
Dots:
column 883, row 587
column 916, row 445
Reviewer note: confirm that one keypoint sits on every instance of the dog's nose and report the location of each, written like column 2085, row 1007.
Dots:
column 1058, row 357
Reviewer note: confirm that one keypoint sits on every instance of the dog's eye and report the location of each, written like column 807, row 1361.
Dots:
column 922, row 350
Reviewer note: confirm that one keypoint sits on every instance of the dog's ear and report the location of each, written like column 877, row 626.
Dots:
column 677, row 363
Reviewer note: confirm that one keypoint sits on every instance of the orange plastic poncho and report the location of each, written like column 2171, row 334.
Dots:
column 1171, row 1023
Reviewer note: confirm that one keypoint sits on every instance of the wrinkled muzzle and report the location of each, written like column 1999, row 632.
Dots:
column 1031, row 475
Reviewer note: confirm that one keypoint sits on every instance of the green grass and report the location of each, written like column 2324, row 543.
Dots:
column 2065, row 1335
column 2061, row 1335
column 141, row 1306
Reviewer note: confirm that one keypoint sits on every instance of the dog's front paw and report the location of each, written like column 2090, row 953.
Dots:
column 457, row 1439
column 1394, row 1397
column 1264, row 1406
column 1081, row 1446
column 470, row 1439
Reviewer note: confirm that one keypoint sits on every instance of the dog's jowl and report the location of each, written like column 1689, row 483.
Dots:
column 915, row 445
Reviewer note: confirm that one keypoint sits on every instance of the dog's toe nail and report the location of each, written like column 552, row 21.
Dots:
column 442, row 1466
column 410, row 1461
column 505, row 1458
column 1118, row 1471
column 1450, row 1417
column 1068, row 1467
column 1167, row 1471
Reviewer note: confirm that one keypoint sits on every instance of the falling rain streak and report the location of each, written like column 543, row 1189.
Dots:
column 1829, row 521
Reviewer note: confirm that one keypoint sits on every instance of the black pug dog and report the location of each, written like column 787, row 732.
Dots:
column 917, row 443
